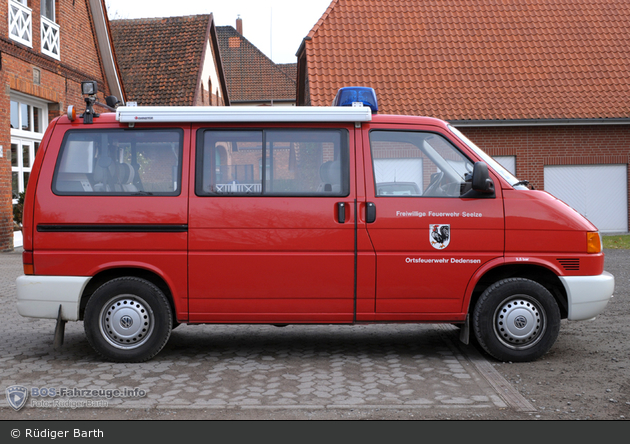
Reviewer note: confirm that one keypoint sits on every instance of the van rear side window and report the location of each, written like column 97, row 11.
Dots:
column 119, row 162
column 293, row 163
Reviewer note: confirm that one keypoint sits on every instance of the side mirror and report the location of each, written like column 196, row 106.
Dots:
column 480, row 183
column 112, row 101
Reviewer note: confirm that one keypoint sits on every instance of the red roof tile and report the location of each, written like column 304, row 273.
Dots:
column 250, row 75
column 485, row 60
column 160, row 57
column 290, row 69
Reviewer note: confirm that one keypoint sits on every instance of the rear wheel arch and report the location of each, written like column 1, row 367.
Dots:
column 113, row 273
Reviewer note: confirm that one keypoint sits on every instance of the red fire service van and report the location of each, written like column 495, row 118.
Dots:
column 142, row 219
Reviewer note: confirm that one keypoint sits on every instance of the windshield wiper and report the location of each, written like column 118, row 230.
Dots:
column 142, row 193
column 522, row 182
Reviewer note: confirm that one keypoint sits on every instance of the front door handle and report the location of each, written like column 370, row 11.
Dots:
column 341, row 212
column 370, row 212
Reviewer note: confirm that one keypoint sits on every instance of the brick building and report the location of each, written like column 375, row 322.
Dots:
column 541, row 86
column 170, row 61
column 47, row 48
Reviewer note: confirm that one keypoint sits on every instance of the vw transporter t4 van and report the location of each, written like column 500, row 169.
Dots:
column 142, row 219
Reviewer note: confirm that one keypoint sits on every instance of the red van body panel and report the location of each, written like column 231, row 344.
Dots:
column 87, row 253
column 540, row 229
column 28, row 211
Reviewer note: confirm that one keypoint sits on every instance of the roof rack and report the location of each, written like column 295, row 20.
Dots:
column 137, row 114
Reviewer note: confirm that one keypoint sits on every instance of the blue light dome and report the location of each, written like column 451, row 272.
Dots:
column 352, row 95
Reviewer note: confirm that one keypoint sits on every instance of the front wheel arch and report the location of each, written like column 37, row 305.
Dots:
column 537, row 273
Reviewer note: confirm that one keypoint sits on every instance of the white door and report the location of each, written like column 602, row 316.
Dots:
column 22, row 158
column 29, row 119
column 598, row 192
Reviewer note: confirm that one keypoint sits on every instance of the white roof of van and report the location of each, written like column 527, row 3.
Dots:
column 137, row 114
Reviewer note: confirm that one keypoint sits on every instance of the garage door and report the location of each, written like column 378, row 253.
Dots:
column 599, row 192
column 398, row 170
column 507, row 162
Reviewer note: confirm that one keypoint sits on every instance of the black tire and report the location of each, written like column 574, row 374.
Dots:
column 516, row 320
column 128, row 319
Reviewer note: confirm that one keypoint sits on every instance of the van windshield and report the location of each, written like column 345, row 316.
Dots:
column 496, row 166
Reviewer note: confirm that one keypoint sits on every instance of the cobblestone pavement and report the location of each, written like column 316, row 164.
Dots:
column 253, row 367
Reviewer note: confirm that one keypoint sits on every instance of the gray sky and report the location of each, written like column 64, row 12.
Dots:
column 290, row 20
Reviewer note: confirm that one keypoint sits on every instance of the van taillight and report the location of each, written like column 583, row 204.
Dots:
column 27, row 262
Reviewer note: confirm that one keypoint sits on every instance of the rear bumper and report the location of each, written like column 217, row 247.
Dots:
column 41, row 296
column 588, row 295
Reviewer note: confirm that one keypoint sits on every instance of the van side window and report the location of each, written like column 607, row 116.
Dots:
column 122, row 162
column 293, row 162
column 408, row 163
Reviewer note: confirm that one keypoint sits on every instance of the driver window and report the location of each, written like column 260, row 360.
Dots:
column 409, row 163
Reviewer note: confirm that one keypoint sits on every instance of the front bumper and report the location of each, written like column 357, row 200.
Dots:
column 41, row 296
column 588, row 295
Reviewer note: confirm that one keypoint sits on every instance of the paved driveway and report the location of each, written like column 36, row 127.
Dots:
column 412, row 367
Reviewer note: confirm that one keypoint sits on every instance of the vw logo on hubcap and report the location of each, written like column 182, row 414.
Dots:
column 520, row 322
column 126, row 322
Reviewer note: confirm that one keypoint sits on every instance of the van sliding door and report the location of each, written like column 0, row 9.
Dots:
column 272, row 226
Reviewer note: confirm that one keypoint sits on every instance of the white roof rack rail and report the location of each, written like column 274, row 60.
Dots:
column 137, row 114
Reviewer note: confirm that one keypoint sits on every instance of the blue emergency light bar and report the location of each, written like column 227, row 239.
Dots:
column 350, row 95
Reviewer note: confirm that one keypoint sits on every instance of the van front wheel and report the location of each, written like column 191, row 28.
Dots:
column 516, row 320
column 128, row 319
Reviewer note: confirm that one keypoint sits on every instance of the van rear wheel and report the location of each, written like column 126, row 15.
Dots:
column 516, row 320
column 128, row 319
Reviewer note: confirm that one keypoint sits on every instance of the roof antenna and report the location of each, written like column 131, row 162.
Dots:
column 271, row 50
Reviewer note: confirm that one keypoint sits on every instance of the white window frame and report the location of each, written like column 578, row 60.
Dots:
column 22, row 144
column 20, row 15
column 50, row 39
column 27, row 138
column 54, row 12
